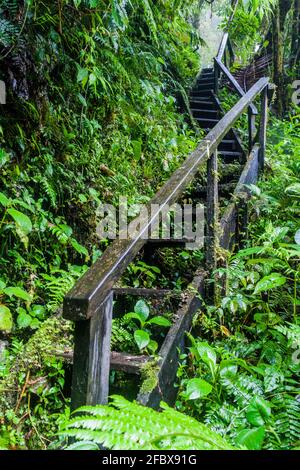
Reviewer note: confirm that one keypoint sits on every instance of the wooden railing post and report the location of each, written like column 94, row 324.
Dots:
column 251, row 128
column 217, row 75
column 263, row 129
column 212, row 213
column 90, row 383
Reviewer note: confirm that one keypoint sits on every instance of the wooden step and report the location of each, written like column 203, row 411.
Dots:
column 202, row 103
column 229, row 145
column 200, row 94
column 120, row 361
column 205, row 113
column 207, row 123
column 230, row 156
column 224, row 189
column 205, row 81
column 204, row 86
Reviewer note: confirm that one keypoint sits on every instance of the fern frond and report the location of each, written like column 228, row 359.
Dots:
column 125, row 425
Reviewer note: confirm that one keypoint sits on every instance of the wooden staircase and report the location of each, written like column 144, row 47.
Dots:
column 207, row 112
column 219, row 167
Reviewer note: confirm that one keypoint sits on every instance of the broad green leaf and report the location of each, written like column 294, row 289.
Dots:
column 82, row 76
column 79, row 248
column 23, row 319
column 161, row 321
column 142, row 339
column 142, row 309
column 270, row 282
column 6, row 321
column 2, row 284
column 17, row 292
column 197, row 388
column 258, row 411
column 228, row 366
column 152, row 346
column 134, row 316
column 251, row 438
column 35, row 324
column 206, row 353
column 37, row 311
column 21, row 220
column 4, row 201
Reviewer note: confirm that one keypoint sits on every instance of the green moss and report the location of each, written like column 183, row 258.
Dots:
column 149, row 373
column 53, row 338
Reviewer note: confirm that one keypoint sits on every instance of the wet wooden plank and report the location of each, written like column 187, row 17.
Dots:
column 141, row 292
column 125, row 362
column 174, row 343
column 128, row 363
column 90, row 381
column 212, row 213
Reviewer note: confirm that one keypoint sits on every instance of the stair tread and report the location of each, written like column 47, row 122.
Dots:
column 228, row 152
column 207, row 119
column 205, row 110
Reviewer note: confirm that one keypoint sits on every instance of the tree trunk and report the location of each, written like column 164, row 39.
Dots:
column 279, row 20
column 295, row 40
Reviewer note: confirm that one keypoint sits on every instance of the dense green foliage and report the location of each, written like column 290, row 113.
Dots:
column 244, row 383
column 99, row 121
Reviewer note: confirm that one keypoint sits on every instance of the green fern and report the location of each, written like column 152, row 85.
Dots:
column 8, row 29
column 125, row 425
column 49, row 190
column 242, row 388
column 121, row 338
column 57, row 286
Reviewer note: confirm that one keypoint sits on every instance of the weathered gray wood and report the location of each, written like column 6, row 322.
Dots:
column 222, row 47
column 251, row 129
column 263, row 129
column 212, row 211
column 229, row 219
column 141, row 292
column 235, row 83
column 173, row 344
column 85, row 298
column 235, row 133
column 216, row 77
column 90, row 384
column 124, row 362
column 128, row 363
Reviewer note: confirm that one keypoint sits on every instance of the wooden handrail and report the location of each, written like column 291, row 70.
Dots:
column 222, row 47
column 234, row 82
column 85, row 300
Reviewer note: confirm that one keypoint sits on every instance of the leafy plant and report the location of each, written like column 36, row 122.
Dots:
column 126, row 425
column 142, row 336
